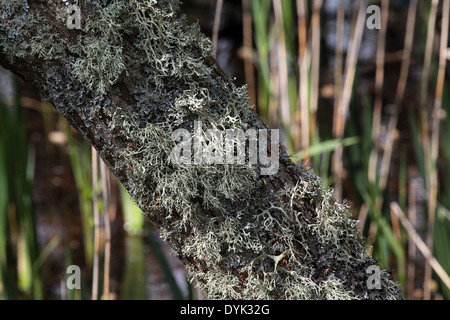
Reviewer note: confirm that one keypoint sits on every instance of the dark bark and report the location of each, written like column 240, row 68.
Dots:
column 133, row 74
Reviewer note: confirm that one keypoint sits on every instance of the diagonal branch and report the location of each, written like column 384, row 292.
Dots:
column 134, row 77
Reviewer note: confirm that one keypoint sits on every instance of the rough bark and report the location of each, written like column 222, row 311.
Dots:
column 132, row 75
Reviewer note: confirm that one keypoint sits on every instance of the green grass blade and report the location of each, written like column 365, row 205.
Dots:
column 134, row 219
column 327, row 147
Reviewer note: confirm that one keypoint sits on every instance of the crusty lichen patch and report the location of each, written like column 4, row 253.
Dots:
column 239, row 239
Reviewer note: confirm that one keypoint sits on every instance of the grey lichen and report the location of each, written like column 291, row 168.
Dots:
column 19, row 35
column 101, row 60
column 164, row 46
column 239, row 239
column 168, row 46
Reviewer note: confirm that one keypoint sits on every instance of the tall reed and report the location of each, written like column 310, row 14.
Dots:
column 19, row 249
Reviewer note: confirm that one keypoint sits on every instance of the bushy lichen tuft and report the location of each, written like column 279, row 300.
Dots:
column 165, row 46
column 100, row 51
column 168, row 45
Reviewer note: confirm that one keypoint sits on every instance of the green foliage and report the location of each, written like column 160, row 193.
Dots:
column 18, row 240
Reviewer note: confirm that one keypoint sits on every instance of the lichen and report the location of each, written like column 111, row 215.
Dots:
column 101, row 58
column 168, row 46
column 239, row 239
column 19, row 37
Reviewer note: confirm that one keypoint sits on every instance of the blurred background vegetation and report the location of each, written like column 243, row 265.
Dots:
column 366, row 108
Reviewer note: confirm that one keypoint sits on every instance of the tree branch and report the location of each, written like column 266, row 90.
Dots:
column 134, row 75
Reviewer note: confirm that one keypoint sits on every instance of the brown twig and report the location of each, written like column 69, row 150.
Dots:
column 428, row 145
column 247, row 51
column 392, row 124
column 345, row 97
column 395, row 208
column 96, row 258
column 216, row 26
column 339, row 57
column 315, row 64
column 434, row 145
column 378, row 105
column 281, row 61
column 106, row 191
column 303, row 62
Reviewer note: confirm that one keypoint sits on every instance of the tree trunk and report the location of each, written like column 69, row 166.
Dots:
column 136, row 75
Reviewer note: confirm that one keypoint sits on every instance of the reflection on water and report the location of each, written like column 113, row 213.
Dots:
column 135, row 274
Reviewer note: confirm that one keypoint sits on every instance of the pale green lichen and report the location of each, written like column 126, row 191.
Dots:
column 101, row 60
column 334, row 289
column 178, row 185
column 168, row 44
column 19, row 35
column 240, row 241
column 165, row 46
